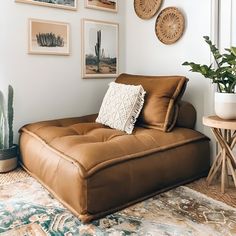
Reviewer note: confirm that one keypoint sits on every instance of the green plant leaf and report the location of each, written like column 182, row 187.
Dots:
column 224, row 75
column 3, row 124
column 233, row 50
column 213, row 48
column 232, row 87
column 10, row 114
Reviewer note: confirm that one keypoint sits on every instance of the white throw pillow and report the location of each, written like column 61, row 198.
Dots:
column 121, row 106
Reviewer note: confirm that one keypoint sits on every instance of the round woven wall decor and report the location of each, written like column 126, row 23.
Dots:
column 169, row 25
column 146, row 9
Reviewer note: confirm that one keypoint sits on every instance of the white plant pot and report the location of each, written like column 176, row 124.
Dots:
column 225, row 105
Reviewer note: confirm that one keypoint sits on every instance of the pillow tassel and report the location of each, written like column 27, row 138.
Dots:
column 136, row 111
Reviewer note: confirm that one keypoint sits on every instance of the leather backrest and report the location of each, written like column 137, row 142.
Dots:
column 160, row 109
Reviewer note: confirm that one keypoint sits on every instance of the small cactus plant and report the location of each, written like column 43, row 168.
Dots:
column 6, row 120
column 49, row 40
column 98, row 49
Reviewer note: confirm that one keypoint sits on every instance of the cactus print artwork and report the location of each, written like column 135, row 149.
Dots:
column 48, row 37
column 100, row 47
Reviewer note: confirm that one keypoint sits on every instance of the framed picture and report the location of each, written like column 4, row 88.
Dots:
column 49, row 37
column 106, row 5
column 64, row 4
column 99, row 49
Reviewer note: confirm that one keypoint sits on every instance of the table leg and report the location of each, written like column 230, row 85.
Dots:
column 233, row 142
column 225, row 158
column 232, row 170
column 223, row 143
column 213, row 166
column 223, row 171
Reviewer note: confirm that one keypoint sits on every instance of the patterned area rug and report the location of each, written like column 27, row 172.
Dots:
column 214, row 191
column 26, row 208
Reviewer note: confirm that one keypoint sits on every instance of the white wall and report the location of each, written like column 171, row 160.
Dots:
column 48, row 87
column 145, row 54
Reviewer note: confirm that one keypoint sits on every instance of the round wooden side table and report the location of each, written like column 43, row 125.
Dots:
column 225, row 134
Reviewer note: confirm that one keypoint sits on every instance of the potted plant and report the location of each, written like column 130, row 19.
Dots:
column 224, row 76
column 8, row 150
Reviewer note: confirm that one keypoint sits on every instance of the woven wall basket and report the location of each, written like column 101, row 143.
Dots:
column 146, row 9
column 169, row 25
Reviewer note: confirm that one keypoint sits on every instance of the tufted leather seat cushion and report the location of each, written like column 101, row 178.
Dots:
column 94, row 169
column 94, row 146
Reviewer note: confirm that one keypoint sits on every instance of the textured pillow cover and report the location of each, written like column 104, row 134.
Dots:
column 160, row 109
column 121, row 106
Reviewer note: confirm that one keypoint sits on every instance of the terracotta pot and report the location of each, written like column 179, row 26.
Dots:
column 8, row 159
column 225, row 105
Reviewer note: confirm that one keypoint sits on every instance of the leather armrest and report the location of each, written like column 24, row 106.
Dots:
column 187, row 115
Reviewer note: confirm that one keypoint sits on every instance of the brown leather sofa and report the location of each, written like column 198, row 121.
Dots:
column 95, row 170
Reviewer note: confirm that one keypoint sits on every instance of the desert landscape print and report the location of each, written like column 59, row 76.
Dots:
column 47, row 37
column 59, row 2
column 101, row 49
column 103, row 4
